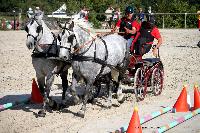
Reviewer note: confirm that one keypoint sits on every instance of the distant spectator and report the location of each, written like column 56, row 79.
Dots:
column 84, row 13
column 8, row 25
column 116, row 16
column 141, row 15
column 109, row 12
column 12, row 23
column 3, row 24
column 109, row 15
column 198, row 12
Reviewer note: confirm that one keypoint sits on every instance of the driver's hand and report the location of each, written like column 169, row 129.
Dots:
column 127, row 30
column 112, row 30
column 155, row 52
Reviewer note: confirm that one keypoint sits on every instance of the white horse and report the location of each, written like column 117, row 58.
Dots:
column 96, row 58
column 45, row 44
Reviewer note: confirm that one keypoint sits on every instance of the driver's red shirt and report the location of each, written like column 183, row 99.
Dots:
column 155, row 33
column 135, row 24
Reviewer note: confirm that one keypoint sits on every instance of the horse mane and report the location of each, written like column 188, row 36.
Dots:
column 81, row 22
column 83, row 30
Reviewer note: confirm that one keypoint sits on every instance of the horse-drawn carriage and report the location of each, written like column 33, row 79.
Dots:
column 100, row 57
column 145, row 76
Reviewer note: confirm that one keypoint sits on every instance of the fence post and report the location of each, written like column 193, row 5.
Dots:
column 163, row 26
column 185, row 20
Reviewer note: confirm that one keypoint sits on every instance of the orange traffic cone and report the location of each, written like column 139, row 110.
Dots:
column 36, row 96
column 181, row 104
column 196, row 98
column 134, row 124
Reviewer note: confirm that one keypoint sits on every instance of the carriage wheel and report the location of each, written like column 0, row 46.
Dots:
column 139, row 85
column 157, row 81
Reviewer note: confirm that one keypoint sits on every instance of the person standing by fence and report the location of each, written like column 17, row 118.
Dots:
column 84, row 13
column 141, row 15
column 109, row 15
column 198, row 23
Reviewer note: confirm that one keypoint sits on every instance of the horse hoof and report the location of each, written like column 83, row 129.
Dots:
column 41, row 113
column 81, row 114
column 92, row 101
column 76, row 100
column 61, row 106
column 120, row 98
column 54, row 105
column 108, row 105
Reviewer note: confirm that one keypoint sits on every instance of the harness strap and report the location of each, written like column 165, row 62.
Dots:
column 80, row 57
column 105, row 61
column 47, row 52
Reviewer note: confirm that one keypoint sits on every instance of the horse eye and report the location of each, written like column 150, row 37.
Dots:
column 71, row 38
column 39, row 28
column 26, row 29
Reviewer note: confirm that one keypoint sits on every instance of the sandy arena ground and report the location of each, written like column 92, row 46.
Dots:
column 180, row 56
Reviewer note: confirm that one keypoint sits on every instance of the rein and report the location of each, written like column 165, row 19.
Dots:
column 86, row 43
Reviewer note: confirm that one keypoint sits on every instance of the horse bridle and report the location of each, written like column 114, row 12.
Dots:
column 70, row 38
column 38, row 30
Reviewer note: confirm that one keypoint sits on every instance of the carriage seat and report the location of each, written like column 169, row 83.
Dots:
column 151, row 61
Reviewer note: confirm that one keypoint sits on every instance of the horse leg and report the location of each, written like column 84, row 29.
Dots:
column 63, row 76
column 81, row 112
column 47, row 99
column 117, row 77
column 109, row 85
column 49, row 82
column 120, row 95
column 41, row 84
column 73, row 88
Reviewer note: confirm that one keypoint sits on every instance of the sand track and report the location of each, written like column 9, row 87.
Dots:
column 180, row 57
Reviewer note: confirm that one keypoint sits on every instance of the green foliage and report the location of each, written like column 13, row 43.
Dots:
column 99, row 6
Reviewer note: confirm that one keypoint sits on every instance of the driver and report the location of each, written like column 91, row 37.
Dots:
column 127, row 26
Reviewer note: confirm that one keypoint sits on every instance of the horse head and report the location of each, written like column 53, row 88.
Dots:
column 34, row 31
column 38, row 34
column 67, row 41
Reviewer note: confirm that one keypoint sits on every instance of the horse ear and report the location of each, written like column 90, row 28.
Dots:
column 71, row 26
column 39, row 16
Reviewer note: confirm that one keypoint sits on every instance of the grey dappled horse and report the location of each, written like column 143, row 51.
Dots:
column 45, row 44
column 98, row 56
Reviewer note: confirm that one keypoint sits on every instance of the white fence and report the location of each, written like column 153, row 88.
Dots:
column 185, row 18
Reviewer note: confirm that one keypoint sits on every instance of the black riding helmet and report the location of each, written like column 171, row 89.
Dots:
column 129, row 9
column 151, row 20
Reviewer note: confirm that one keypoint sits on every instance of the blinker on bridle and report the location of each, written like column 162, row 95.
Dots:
column 38, row 30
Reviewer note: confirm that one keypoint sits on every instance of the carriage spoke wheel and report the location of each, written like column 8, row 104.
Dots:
column 157, row 81
column 139, row 85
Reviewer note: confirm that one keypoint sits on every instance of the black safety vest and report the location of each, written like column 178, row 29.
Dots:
column 145, row 33
column 128, row 24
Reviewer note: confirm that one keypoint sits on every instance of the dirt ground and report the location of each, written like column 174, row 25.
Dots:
column 179, row 54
